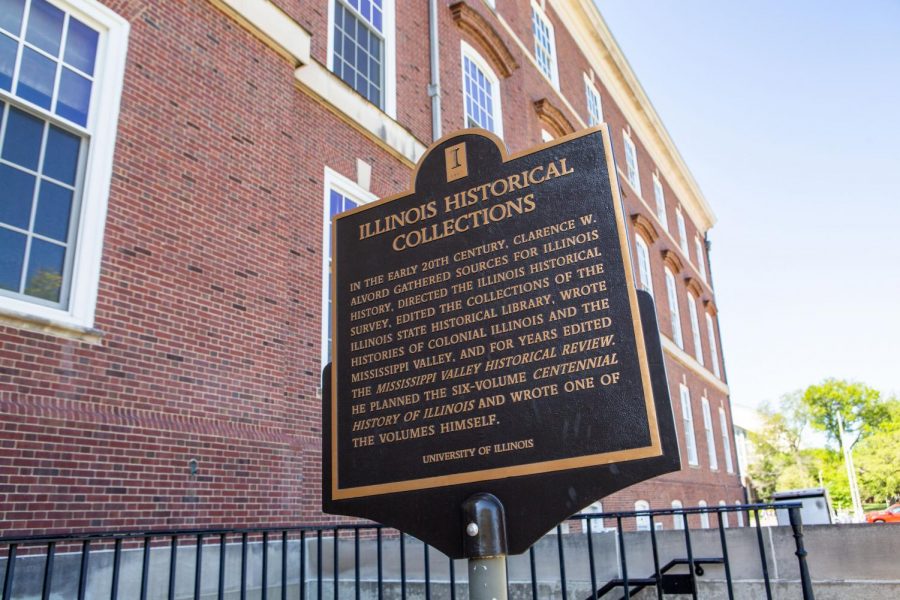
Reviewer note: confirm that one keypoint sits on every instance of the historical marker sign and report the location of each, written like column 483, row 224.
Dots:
column 488, row 337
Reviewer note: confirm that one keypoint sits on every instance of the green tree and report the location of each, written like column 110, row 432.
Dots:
column 779, row 461
column 859, row 406
column 878, row 458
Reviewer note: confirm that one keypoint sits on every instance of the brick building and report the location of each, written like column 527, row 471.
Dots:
column 167, row 170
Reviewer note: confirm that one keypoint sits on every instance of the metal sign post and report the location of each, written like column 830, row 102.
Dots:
column 485, row 547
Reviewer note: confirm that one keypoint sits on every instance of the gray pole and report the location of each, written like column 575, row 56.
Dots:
column 485, row 546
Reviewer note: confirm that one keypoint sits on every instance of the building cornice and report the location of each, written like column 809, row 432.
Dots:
column 584, row 22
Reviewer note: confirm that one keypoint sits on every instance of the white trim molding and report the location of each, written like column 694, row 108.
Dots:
column 269, row 23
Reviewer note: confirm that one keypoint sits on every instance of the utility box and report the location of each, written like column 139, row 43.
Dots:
column 815, row 509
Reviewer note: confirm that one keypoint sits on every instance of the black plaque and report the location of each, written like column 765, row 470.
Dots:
column 488, row 337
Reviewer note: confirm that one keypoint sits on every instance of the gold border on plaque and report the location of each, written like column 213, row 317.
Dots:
column 533, row 468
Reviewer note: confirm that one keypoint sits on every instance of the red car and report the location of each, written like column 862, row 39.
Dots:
column 889, row 515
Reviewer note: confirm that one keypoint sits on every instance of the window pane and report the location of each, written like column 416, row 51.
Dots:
column 61, row 155
column 81, row 46
column 45, row 23
column 8, row 47
column 12, row 254
column 53, row 211
column 17, row 196
column 36, row 78
column 74, row 97
column 45, row 267
column 22, row 144
column 11, row 15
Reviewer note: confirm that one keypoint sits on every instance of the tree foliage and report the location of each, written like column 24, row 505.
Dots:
column 860, row 407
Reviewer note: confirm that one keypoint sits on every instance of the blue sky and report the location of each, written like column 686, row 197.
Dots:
column 788, row 115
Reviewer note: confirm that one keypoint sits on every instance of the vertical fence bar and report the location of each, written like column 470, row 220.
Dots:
column 117, row 563
column 145, row 568
column 724, row 545
column 762, row 555
column 10, row 572
column 797, row 528
column 284, row 553
column 590, row 543
column 265, row 566
column 302, row 565
column 356, row 561
column 427, row 565
column 452, row 580
column 689, row 548
column 402, row 567
column 198, row 567
column 85, row 564
column 657, row 576
column 173, row 558
column 244, row 566
column 534, row 586
column 625, row 584
column 223, row 548
column 48, row 572
column 335, row 559
column 380, row 567
column 319, row 564
column 560, row 551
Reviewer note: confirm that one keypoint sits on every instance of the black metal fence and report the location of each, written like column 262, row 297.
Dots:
column 584, row 558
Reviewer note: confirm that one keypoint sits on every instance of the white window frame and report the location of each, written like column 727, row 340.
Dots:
column 590, row 91
column 710, row 435
column 695, row 327
column 597, row 525
column 642, row 523
column 682, row 233
column 467, row 51
column 687, row 417
column 739, row 513
column 101, row 131
column 674, row 312
column 701, row 262
column 677, row 519
column 704, row 516
column 346, row 186
column 713, row 348
column 645, row 275
column 553, row 75
column 723, row 515
column 546, row 136
column 389, row 33
column 660, row 198
column 726, row 440
column 632, row 173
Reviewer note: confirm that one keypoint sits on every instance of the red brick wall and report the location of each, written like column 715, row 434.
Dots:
column 210, row 292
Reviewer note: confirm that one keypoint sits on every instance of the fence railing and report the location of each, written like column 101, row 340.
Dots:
column 366, row 561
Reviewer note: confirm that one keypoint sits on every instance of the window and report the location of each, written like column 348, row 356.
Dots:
column 723, row 515
column 740, row 514
column 677, row 518
column 726, row 440
column 544, row 44
column 642, row 523
column 660, row 202
column 643, row 260
column 61, row 68
column 682, row 233
column 546, row 136
column 596, row 522
column 594, row 106
column 673, row 309
column 704, row 516
column 687, row 416
column 695, row 327
column 701, row 263
column 481, row 92
column 362, row 48
column 341, row 194
column 713, row 352
column 710, row 436
column 631, row 166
